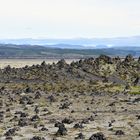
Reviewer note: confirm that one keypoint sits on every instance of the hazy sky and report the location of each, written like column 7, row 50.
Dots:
column 69, row 18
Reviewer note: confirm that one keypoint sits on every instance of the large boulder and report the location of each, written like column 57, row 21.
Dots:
column 103, row 58
column 62, row 63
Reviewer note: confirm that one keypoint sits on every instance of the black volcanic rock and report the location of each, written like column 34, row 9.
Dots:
column 10, row 132
column 104, row 58
column 80, row 136
column 129, row 58
column 119, row 132
column 62, row 130
column 97, row 136
column 37, row 138
column 62, row 63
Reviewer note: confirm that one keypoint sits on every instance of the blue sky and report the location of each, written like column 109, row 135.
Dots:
column 69, row 18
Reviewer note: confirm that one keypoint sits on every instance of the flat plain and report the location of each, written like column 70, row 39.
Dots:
column 18, row 63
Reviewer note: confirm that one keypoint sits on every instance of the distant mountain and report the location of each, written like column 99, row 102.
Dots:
column 78, row 42
column 54, row 51
column 69, row 48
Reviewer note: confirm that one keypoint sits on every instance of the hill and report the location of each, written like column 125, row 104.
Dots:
column 54, row 51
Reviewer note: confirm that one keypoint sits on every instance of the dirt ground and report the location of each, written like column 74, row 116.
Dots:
column 104, row 113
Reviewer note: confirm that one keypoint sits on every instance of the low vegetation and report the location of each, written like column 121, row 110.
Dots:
column 90, row 99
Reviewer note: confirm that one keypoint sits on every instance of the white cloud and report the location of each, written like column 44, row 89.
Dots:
column 69, row 18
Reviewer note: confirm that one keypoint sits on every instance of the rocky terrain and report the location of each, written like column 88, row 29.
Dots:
column 90, row 99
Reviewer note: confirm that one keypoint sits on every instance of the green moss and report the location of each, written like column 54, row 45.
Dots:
column 132, row 92
column 135, row 90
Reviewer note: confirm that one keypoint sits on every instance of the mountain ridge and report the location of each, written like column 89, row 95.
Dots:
column 38, row 51
column 87, row 42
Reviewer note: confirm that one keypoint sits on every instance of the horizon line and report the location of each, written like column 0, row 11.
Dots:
column 14, row 38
